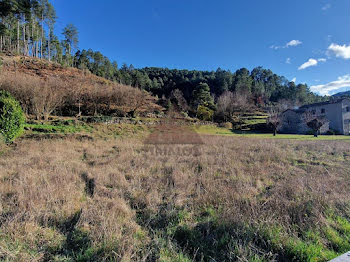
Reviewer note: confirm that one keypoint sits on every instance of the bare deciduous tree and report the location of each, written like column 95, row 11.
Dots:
column 314, row 122
column 47, row 97
column 140, row 101
column 225, row 105
column 274, row 121
column 179, row 100
column 37, row 96
column 233, row 105
column 41, row 97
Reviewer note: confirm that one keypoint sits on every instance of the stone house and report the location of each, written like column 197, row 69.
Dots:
column 337, row 114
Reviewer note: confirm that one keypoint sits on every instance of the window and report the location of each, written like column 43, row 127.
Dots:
column 348, row 109
column 323, row 111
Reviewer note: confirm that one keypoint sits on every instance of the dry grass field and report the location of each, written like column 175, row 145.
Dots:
column 229, row 199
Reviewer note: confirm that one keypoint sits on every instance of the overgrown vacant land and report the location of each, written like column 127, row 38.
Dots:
column 236, row 199
column 108, row 162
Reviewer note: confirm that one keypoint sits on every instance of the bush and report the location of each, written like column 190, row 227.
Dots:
column 11, row 117
column 205, row 113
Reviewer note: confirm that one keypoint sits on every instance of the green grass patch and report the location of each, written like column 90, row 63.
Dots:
column 254, row 121
column 60, row 127
column 293, row 248
column 212, row 130
column 45, row 240
column 167, row 255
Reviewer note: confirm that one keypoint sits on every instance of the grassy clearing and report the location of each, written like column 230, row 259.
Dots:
column 62, row 128
column 108, row 199
column 102, row 130
column 212, row 130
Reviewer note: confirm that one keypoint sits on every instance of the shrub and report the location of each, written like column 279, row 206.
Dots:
column 205, row 113
column 11, row 117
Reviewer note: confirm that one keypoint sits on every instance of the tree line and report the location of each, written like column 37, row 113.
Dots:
column 259, row 87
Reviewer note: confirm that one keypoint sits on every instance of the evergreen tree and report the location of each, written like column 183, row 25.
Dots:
column 70, row 42
column 201, row 96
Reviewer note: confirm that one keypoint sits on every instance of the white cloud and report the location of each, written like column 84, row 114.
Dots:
column 312, row 62
column 342, row 51
column 326, row 7
column 344, row 78
column 294, row 79
column 309, row 63
column 288, row 61
column 293, row 43
column 343, row 81
column 289, row 44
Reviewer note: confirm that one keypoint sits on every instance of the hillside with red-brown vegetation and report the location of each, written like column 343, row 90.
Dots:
column 45, row 88
column 45, row 69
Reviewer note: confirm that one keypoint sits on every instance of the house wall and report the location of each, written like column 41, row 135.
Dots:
column 337, row 114
column 304, row 129
column 333, row 112
column 325, row 128
column 346, row 117
column 294, row 123
column 290, row 122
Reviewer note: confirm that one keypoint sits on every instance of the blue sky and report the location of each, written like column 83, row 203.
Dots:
column 308, row 41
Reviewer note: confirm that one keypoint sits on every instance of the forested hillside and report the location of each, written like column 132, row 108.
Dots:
column 257, row 88
column 261, row 85
column 347, row 93
column 27, row 28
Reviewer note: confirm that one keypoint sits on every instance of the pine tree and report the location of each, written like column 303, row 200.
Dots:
column 70, row 42
column 202, row 97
